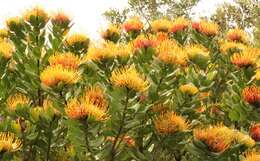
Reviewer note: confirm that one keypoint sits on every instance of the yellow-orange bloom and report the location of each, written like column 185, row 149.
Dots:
column 17, row 99
column 112, row 33
column 170, row 123
column 255, row 132
column 252, row 156
column 61, row 19
column 145, row 42
column 228, row 46
column 9, row 143
column 218, row 138
column 251, row 94
column 6, row 49
column 179, row 24
column 36, row 16
column 244, row 139
column 108, row 50
column 67, row 60
column 237, row 35
column 257, row 74
column 76, row 109
column 14, row 23
column 161, row 25
column 189, row 89
column 134, row 24
column 244, row 59
column 170, row 53
column 3, row 33
column 205, row 27
column 197, row 50
column 77, row 41
column 130, row 78
column 53, row 75
column 95, row 95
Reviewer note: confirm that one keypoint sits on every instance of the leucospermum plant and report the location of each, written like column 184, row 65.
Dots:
column 170, row 90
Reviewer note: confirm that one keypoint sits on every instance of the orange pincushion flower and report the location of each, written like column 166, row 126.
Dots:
column 252, row 156
column 14, row 23
column 189, row 89
column 237, row 35
column 244, row 59
column 218, row 138
column 77, row 42
column 162, row 36
column 36, row 16
column 67, row 60
column 61, row 19
column 161, row 25
column 170, row 53
column 170, row 122
column 251, row 94
column 112, row 33
column 134, row 24
column 9, row 143
column 80, row 109
column 96, row 96
column 179, row 24
column 232, row 46
column 53, row 75
column 145, row 42
column 255, row 132
column 17, row 99
column 244, row 139
column 129, row 77
column 207, row 28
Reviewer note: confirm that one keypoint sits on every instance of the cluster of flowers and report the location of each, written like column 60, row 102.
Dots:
column 160, row 38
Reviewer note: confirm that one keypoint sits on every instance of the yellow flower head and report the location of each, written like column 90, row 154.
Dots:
column 61, row 19
column 67, row 60
column 169, row 52
column 14, row 23
column 76, row 109
column 77, row 42
column 133, row 25
column 108, row 50
column 244, row 139
column 218, row 138
column 231, row 46
column 197, row 50
column 145, row 42
column 3, row 33
column 252, row 156
column 36, row 16
column 9, row 143
column 205, row 27
column 112, row 33
column 17, row 99
column 170, row 122
column 53, row 75
column 237, row 35
column 189, row 89
column 95, row 95
column 179, row 24
column 161, row 25
column 244, row 59
column 130, row 78
column 6, row 49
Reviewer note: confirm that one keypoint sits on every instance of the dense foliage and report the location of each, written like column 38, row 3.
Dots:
column 176, row 90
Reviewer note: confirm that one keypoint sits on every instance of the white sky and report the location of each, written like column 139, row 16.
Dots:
column 86, row 14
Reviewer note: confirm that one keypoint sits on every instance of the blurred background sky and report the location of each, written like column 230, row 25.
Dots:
column 86, row 14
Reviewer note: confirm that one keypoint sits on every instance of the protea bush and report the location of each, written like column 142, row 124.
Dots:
column 169, row 90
